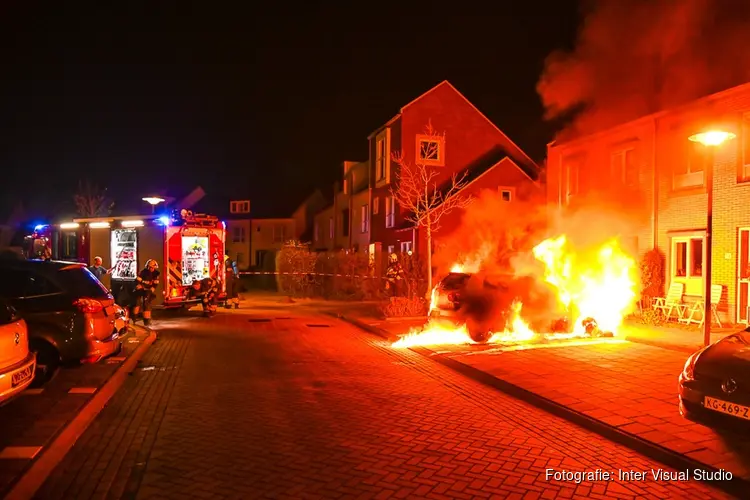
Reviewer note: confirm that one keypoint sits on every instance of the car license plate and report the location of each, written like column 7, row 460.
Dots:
column 727, row 408
column 22, row 376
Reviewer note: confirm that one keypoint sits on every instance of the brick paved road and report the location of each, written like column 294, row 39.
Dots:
column 228, row 408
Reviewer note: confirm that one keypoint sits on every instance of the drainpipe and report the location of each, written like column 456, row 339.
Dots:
column 655, row 202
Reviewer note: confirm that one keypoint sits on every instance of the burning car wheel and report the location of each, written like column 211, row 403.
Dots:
column 479, row 335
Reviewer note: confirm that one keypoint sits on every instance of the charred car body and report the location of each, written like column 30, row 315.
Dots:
column 485, row 304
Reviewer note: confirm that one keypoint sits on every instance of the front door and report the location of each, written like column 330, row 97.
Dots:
column 743, row 274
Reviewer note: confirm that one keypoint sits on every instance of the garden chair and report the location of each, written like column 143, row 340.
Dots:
column 672, row 303
column 697, row 312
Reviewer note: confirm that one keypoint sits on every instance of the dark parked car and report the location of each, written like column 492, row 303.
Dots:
column 716, row 379
column 71, row 316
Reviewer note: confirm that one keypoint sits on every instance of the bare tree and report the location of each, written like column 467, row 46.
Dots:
column 425, row 201
column 92, row 201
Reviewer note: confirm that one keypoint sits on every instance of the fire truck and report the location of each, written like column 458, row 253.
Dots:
column 188, row 247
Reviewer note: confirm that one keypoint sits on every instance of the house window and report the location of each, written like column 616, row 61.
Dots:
column 380, row 159
column 345, row 222
column 316, row 231
column 331, row 228
column 687, row 258
column 279, row 233
column 430, row 150
column 375, row 205
column 689, row 172
column 744, row 174
column 505, row 194
column 365, row 218
column 239, row 207
column 623, row 167
column 572, row 171
column 405, row 246
column 391, row 249
column 238, row 235
column 390, row 211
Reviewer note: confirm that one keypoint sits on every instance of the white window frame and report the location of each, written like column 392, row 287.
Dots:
column 279, row 238
column 238, row 234
column 385, row 175
column 618, row 164
column 691, row 179
column 744, row 173
column 406, row 246
column 239, row 207
column 391, row 249
column 390, row 211
column 502, row 190
column 440, row 144
column 365, row 216
column 692, row 283
column 572, row 169
column 379, row 159
column 375, row 205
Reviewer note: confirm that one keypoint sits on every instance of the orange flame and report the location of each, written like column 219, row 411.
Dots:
column 599, row 285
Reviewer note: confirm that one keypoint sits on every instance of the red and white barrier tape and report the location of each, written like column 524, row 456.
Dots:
column 303, row 274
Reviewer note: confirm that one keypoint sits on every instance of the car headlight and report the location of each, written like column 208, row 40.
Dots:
column 688, row 371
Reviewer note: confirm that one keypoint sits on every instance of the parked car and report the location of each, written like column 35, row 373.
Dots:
column 17, row 363
column 70, row 315
column 716, row 379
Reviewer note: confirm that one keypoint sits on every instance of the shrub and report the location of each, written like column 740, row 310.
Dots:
column 652, row 277
column 651, row 317
column 403, row 307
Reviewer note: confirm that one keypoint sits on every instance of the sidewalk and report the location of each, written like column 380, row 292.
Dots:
column 623, row 385
column 34, row 421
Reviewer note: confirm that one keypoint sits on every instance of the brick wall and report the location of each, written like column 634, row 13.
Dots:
column 662, row 145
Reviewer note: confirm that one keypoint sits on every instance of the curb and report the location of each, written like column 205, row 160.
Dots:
column 663, row 345
column 737, row 487
column 37, row 473
column 367, row 328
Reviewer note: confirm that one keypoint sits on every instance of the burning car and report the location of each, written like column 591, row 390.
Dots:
column 492, row 303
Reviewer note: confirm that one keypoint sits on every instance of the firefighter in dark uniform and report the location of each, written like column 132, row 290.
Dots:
column 230, row 277
column 207, row 290
column 394, row 276
column 145, row 288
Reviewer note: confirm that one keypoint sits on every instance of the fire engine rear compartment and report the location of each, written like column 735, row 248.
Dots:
column 192, row 247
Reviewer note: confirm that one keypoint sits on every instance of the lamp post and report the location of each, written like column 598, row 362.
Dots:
column 153, row 201
column 711, row 139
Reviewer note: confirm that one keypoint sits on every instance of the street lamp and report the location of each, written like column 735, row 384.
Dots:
column 711, row 139
column 153, row 201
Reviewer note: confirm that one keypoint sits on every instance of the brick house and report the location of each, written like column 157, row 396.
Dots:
column 345, row 223
column 651, row 164
column 472, row 144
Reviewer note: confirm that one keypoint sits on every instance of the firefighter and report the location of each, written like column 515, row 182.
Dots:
column 394, row 276
column 230, row 277
column 145, row 290
column 207, row 291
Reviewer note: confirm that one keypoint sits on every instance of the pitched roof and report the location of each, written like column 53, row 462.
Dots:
column 479, row 167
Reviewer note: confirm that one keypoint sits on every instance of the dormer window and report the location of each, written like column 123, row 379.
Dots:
column 431, row 150
column 239, row 207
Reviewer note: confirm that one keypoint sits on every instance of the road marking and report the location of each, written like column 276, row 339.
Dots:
column 20, row 452
column 33, row 392
column 83, row 390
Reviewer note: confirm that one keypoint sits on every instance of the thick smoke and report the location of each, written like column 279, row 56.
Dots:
column 635, row 57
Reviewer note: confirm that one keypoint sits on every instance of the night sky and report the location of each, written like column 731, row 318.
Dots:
column 247, row 103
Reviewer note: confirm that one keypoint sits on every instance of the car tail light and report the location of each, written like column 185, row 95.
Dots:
column 88, row 305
